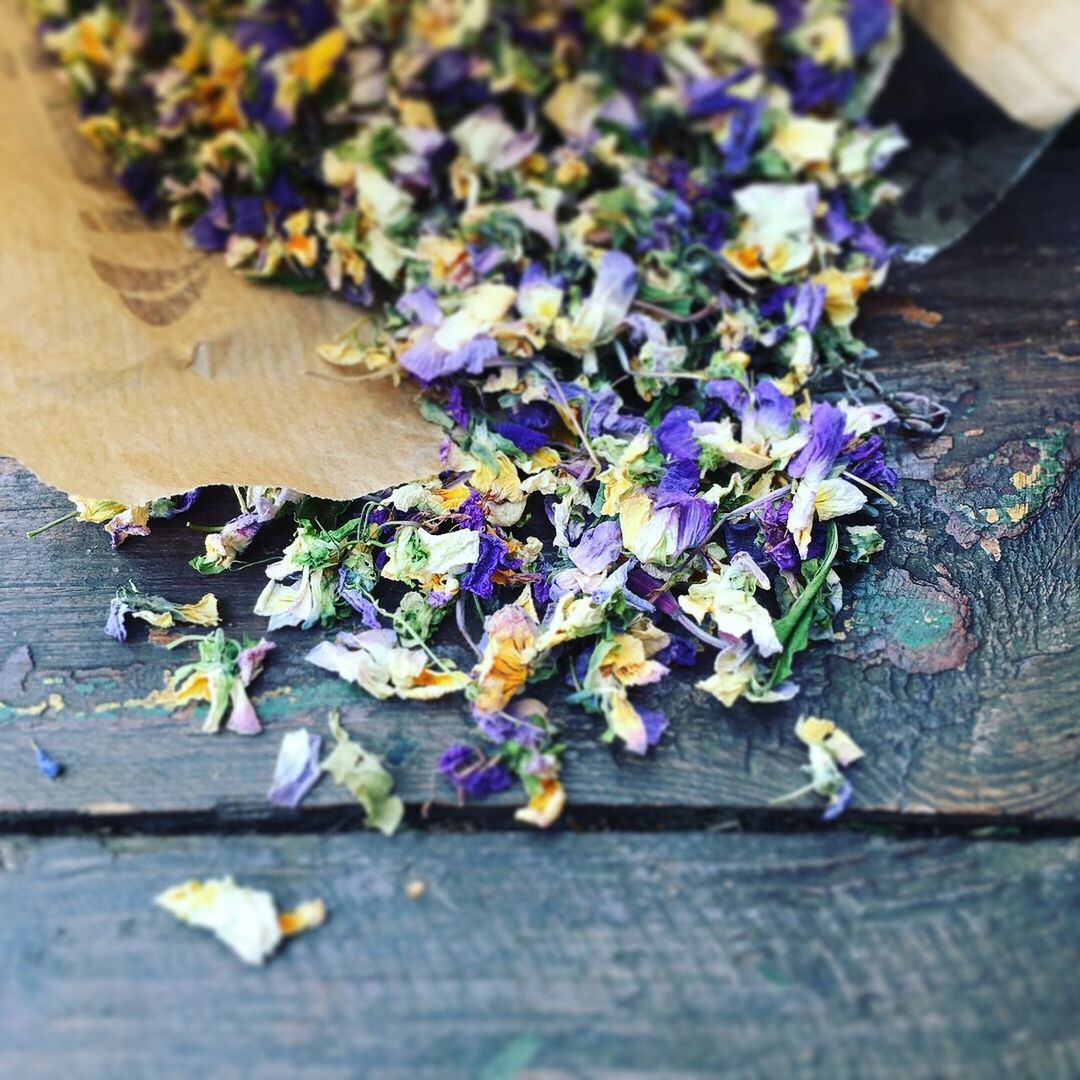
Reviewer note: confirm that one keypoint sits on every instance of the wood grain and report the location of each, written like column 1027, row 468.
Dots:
column 958, row 673
column 598, row 956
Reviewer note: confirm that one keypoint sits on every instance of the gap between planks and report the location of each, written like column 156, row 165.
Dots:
column 244, row 820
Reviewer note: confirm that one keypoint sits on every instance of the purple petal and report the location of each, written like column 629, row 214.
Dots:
column 526, row 439
column 868, row 462
column 249, row 216
column 868, row 22
column 207, row 236
column 456, row 408
column 655, row 723
column 489, row 780
column 642, row 583
column 731, row 393
column 426, row 360
column 114, row 625
column 271, row 36
column 681, row 652
column 838, row 226
column 814, row 84
column 616, row 285
column 454, row 757
column 139, row 179
column 598, row 548
column 674, row 435
column 703, row 97
column 485, row 259
column 478, row 578
column 693, row 518
column 775, row 304
column 472, row 512
column 218, row 211
column 499, row 728
column 369, row 614
column 827, row 438
column 682, row 476
column 182, row 503
column 779, row 544
column 743, row 129
column 839, row 802
column 429, row 361
column 242, row 718
column 475, row 355
column 283, row 194
column 423, row 305
column 297, row 769
column 534, row 276
column 47, row 765
column 604, row 410
column 121, row 530
column 809, row 305
column 250, row 660
column 772, row 410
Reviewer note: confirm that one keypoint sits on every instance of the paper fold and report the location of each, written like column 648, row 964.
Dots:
column 132, row 367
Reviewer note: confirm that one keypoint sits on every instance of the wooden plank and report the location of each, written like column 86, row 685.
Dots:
column 682, row 955
column 958, row 675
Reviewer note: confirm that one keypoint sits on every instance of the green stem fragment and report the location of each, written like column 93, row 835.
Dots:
column 51, row 524
column 793, row 630
column 791, row 796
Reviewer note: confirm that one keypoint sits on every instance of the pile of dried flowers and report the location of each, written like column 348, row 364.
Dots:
column 617, row 244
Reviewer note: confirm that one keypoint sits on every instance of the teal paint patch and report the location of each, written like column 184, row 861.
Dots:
column 997, row 496
column 86, row 687
column 920, row 627
column 320, row 695
column 401, row 750
column 510, row 1062
column 915, row 622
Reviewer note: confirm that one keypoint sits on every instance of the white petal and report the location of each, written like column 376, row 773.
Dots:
column 837, row 498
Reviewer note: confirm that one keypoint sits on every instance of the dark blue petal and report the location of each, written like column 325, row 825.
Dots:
column 249, row 216
column 674, row 436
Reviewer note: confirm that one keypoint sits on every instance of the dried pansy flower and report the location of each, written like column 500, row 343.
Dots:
column 614, row 260
column 160, row 613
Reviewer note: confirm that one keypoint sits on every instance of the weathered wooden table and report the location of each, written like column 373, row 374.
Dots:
column 677, row 925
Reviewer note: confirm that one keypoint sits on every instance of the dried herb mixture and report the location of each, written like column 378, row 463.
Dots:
column 619, row 247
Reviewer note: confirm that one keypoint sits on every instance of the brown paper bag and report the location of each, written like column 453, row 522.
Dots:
column 1024, row 54
column 132, row 367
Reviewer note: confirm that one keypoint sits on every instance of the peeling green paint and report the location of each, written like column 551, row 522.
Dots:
column 513, row 1059
column 276, row 704
column 90, row 686
column 996, row 496
column 320, row 694
column 54, row 703
column 279, row 703
column 400, row 750
column 918, row 626
column 916, row 622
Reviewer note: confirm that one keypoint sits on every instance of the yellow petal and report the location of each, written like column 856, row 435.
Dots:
column 96, row 510
column 319, row 57
column 545, row 806
column 202, row 613
column 196, row 687
column 305, row 916
column 161, row 619
column 813, row 730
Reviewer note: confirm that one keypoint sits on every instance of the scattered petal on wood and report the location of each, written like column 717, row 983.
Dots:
column 245, row 919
